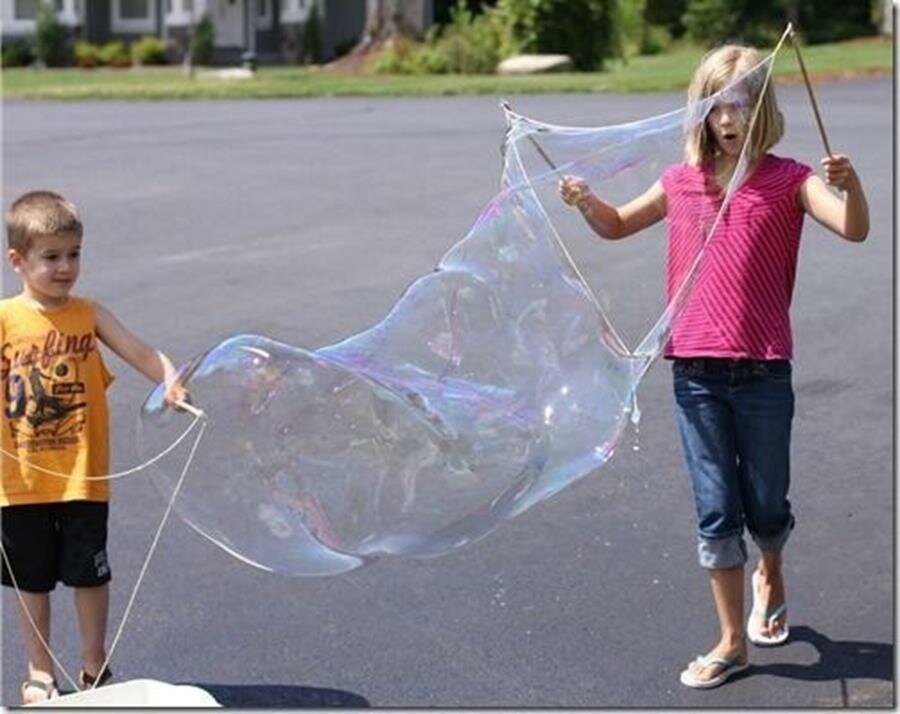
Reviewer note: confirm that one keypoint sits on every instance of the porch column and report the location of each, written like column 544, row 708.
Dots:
column 68, row 14
column 181, row 14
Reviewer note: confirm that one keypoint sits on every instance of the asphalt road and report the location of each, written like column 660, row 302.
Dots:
column 304, row 221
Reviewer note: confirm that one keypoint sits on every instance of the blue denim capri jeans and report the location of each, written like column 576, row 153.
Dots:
column 735, row 422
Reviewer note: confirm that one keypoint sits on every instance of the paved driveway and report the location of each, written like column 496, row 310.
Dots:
column 304, row 221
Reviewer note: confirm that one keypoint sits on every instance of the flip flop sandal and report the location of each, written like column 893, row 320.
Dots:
column 758, row 613
column 48, row 690
column 730, row 667
column 86, row 681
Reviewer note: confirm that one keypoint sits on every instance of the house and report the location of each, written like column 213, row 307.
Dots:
column 272, row 30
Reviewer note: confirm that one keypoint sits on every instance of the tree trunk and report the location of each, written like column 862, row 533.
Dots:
column 387, row 19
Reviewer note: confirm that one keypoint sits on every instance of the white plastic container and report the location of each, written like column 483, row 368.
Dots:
column 147, row 693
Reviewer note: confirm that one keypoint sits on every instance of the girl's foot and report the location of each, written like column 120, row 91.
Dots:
column 769, row 614
column 716, row 666
column 39, row 687
column 89, row 681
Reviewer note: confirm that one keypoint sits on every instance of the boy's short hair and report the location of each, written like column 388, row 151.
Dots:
column 40, row 213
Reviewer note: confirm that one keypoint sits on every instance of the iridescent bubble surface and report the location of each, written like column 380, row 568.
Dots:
column 495, row 381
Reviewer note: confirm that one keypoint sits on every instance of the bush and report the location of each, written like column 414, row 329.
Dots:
column 835, row 21
column 710, row 21
column 761, row 22
column 667, row 13
column 469, row 43
column 50, row 38
column 203, row 46
column 515, row 21
column 583, row 29
column 654, row 39
column 115, row 54
column 404, row 56
column 17, row 54
column 148, row 50
column 312, row 36
column 87, row 56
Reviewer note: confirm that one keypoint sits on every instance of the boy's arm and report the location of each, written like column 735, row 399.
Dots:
column 612, row 222
column 150, row 362
column 849, row 218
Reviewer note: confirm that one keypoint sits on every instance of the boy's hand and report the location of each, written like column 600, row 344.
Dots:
column 175, row 392
column 574, row 190
column 839, row 172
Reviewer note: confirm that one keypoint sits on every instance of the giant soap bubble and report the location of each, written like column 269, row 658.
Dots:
column 494, row 382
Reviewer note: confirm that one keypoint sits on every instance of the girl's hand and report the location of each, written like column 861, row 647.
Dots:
column 574, row 190
column 839, row 172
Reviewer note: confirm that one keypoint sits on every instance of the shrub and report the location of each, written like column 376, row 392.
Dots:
column 17, row 54
column 710, row 21
column 667, row 13
column 404, row 56
column 203, row 46
column 312, row 36
column 148, row 50
column 836, row 21
column 50, row 38
column 87, row 55
column 654, row 39
column 115, row 54
column 469, row 43
column 515, row 21
column 583, row 29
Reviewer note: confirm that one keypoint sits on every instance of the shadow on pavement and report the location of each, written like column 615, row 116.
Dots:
column 281, row 695
column 838, row 659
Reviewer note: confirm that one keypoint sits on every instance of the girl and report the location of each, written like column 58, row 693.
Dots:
column 731, row 346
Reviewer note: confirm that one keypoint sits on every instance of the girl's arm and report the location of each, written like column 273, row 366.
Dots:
column 848, row 217
column 614, row 222
column 150, row 362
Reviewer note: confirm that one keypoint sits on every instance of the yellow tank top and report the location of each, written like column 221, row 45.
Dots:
column 54, row 403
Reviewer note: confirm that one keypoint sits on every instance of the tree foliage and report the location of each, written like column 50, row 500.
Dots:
column 50, row 45
column 761, row 22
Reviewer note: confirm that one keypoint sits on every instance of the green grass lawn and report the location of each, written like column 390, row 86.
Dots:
column 668, row 71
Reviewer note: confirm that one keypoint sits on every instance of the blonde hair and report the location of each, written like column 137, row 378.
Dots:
column 40, row 213
column 717, row 70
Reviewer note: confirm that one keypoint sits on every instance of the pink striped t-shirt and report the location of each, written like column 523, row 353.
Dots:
column 739, row 305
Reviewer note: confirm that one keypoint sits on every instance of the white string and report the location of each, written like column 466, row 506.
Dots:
column 198, row 416
column 150, row 552
column 31, row 621
column 108, row 477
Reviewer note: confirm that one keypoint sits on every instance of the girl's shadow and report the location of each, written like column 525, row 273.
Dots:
column 838, row 659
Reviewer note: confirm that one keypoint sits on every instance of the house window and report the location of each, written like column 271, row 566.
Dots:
column 134, row 9
column 134, row 16
column 28, row 9
column 293, row 10
column 263, row 13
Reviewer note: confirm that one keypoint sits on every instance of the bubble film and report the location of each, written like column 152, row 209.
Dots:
column 504, row 375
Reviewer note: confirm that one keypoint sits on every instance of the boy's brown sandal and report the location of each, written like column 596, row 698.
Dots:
column 86, row 681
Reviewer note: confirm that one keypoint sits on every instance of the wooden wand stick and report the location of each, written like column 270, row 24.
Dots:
column 809, row 89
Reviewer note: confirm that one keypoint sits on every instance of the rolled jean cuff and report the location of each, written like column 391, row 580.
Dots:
column 774, row 543
column 716, row 553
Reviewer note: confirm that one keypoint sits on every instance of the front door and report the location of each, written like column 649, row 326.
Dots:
column 228, row 18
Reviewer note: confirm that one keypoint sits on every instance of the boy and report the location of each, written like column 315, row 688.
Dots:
column 55, row 418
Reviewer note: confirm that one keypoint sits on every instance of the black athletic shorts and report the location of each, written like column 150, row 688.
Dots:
column 48, row 543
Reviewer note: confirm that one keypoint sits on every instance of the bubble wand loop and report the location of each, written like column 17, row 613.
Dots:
column 809, row 89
